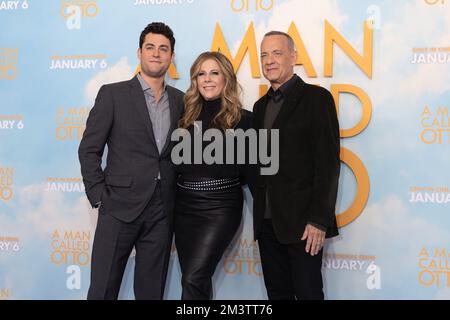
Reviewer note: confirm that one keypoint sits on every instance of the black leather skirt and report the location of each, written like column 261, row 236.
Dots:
column 208, row 213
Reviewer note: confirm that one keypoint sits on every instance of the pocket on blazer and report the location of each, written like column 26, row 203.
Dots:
column 119, row 181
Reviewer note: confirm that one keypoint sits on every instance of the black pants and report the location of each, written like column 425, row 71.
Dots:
column 151, row 236
column 205, row 223
column 289, row 272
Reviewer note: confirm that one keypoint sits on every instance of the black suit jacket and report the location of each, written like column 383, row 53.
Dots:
column 120, row 120
column 305, row 188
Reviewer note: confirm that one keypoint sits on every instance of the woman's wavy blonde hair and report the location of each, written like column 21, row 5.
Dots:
column 230, row 110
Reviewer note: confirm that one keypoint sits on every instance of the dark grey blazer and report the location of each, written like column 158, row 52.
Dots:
column 120, row 120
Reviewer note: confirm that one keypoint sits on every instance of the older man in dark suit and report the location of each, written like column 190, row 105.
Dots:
column 294, row 209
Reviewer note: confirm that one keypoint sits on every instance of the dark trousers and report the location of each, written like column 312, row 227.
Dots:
column 289, row 272
column 151, row 236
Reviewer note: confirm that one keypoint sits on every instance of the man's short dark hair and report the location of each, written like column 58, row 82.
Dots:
column 158, row 28
column 291, row 43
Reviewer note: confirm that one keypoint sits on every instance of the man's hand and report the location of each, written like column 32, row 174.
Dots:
column 314, row 239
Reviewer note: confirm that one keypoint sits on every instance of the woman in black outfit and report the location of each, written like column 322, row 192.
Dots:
column 208, row 208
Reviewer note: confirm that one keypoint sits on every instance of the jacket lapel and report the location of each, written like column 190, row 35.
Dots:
column 173, row 118
column 289, row 104
column 260, row 112
column 140, row 104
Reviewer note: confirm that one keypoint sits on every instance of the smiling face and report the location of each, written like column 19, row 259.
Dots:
column 210, row 80
column 155, row 55
column 277, row 60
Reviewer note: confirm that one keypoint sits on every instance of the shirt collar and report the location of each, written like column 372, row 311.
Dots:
column 146, row 87
column 281, row 91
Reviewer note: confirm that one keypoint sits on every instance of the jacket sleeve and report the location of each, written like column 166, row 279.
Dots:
column 326, row 156
column 248, row 171
column 93, row 143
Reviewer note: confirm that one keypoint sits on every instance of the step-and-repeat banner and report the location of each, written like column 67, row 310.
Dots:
column 387, row 64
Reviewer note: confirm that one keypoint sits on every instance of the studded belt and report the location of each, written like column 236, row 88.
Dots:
column 209, row 185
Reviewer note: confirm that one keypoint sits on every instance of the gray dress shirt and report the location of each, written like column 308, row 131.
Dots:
column 159, row 112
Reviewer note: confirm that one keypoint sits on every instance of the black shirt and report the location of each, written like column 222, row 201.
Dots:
column 276, row 100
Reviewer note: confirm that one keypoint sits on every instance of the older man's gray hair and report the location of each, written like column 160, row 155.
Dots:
column 291, row 43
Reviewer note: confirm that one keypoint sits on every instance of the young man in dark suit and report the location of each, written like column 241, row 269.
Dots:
column 294, row 209
column 135, row 191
